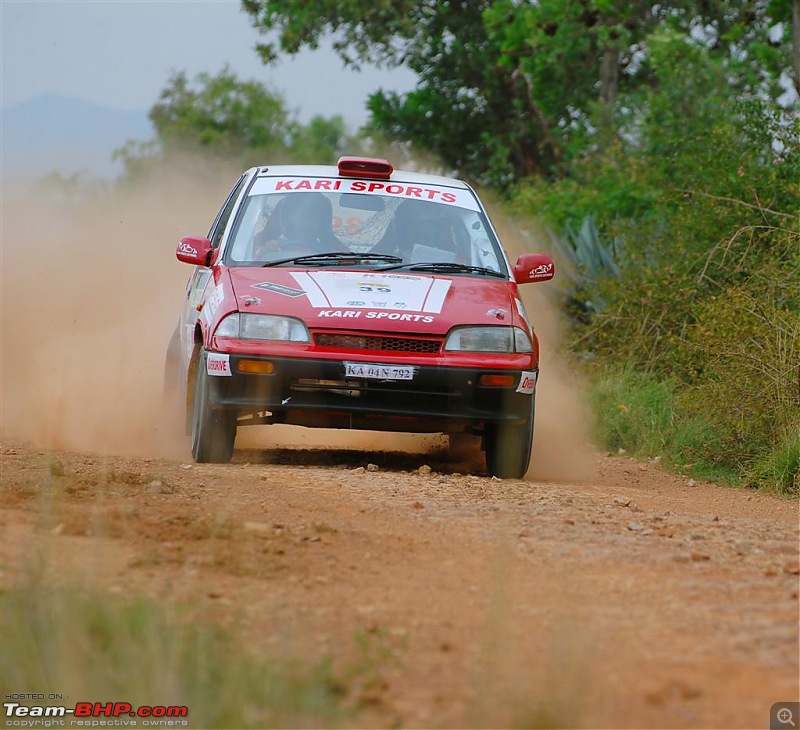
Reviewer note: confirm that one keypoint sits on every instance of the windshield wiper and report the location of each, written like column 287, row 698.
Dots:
column 445, row 267
column 335, row 257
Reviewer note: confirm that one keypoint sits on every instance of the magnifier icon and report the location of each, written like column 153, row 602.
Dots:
column 785, row 717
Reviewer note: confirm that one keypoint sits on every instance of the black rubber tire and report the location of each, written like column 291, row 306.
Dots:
column 213, row 429
column 508, row 447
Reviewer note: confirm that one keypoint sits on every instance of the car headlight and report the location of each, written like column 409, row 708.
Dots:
column 263, row 327
column 488, row 339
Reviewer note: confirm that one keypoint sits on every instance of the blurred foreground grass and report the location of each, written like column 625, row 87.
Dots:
column 91, row 647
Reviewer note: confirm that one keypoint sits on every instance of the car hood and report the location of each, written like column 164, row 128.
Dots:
column 378, row 301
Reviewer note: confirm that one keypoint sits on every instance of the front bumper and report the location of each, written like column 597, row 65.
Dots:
column 314, row 392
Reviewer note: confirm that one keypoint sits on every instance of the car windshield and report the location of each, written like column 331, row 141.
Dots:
column 274, row 228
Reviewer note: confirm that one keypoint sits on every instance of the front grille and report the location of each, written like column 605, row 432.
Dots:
column 379, row 343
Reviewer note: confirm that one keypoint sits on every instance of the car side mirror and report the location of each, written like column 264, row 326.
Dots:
column 531, row 267
column 195, row 251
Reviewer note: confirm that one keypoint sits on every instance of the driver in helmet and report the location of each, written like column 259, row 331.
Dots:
column 301, row 223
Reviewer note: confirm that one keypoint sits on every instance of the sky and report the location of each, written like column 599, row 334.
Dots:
column 121, row 53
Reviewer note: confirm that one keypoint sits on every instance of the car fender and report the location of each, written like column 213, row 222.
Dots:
column 217, row 302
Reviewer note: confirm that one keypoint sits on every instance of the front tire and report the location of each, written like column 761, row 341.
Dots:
column 508, row 447
column 213, row 429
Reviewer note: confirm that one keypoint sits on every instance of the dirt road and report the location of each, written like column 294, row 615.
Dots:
column 639, row 600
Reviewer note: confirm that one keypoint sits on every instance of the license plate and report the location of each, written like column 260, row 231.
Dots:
column 379, row 372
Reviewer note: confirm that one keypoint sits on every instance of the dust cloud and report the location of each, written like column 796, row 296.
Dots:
column 562, row 449
column 91, row 292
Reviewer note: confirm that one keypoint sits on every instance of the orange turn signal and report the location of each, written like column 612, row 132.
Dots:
column 259, row 367
column 496, row 381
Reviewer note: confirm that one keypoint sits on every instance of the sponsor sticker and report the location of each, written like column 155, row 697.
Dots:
column 544, row 271
column 186, row 249
column 212, row 303
column 449, row 196
column 372, row 314
column 279, row 289
column 523, row 314
column 527, row 382
column 217, row 364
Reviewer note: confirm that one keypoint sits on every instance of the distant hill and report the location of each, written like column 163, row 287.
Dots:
column 66, row 134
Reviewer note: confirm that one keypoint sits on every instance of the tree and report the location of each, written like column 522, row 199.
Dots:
column 509, row 89
column 240, row 122
column 467, row 108
column 220, row 113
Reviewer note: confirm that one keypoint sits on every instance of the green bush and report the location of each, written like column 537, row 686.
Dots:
column 746, row 345
column 779, row 469
column 632, row 412
column 640, row 414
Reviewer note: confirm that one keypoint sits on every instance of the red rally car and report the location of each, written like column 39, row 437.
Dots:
column 356, row 296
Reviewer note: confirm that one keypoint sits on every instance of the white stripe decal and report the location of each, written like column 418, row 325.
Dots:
column 435, row 299
column 427, row 294
column 313, row 291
